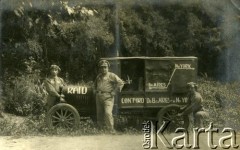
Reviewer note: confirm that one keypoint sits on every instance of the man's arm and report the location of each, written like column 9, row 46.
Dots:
column 50, row 89
column 194, row 106
column 119, row 83
column 62, row 81
column 187, row 105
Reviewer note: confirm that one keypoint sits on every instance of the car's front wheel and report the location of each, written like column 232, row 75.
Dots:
column 63, row 115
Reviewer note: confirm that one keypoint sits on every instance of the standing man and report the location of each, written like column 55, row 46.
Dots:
column 194, row 106
column 53, row 85
column 106, row 86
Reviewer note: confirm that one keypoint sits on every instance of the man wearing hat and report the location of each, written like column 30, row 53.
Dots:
column 53, row 86
column 106, row 85
column 194, row 106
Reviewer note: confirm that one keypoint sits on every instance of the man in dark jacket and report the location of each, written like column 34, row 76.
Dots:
column 194, row 106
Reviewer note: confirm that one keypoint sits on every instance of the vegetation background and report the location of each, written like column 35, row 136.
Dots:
column 75, row 34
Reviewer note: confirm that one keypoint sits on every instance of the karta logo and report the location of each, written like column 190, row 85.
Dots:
column 151, row 136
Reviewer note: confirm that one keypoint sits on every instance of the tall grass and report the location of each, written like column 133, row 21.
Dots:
column 222, row 101
column 24, row 94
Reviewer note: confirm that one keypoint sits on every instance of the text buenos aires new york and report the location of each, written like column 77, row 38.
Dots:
column 134, row 100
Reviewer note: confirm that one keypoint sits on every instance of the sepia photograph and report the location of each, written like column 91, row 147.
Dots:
column 119, row 74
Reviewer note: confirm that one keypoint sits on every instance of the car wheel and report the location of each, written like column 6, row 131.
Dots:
column 169, row 114
column 63, row 116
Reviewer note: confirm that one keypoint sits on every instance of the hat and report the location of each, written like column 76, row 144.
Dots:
column 103, row 63
column 55, row 67
column 191, row 84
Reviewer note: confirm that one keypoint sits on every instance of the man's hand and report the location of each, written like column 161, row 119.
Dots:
column 62, row 100
column 179, row 114
column 182, row 109
column 113, row 93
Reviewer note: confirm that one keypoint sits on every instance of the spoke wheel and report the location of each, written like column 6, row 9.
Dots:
column 169, row 114
column 63, row 116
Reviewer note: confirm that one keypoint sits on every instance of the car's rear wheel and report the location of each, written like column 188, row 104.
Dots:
column 170, row 114
column 63, row 116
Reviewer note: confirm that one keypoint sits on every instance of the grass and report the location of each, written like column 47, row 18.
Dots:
column 35, row 126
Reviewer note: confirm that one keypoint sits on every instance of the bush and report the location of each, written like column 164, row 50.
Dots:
column 222, row 102
column 24, row 94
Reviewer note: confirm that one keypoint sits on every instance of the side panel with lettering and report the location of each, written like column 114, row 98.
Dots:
column 131, row 100
column 153, row 99
column 156, row 99
column 169, row 75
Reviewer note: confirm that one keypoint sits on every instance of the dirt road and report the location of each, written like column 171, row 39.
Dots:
column 94, row 142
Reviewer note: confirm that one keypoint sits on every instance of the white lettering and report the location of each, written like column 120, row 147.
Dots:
column 84, row 90
column 77, row 90
column 183, row 66
column 231, row 136
column 126, row 100
column 69, row 91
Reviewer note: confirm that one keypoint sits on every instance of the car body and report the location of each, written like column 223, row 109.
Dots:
column 154, row 86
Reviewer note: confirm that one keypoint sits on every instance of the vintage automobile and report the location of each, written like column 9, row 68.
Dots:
column 156, row 88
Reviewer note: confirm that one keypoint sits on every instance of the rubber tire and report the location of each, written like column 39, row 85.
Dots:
column 173, row 124
column 63, row 106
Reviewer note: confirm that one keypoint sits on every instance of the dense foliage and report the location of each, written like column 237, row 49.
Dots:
column 25, row 93
column 76, row 35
